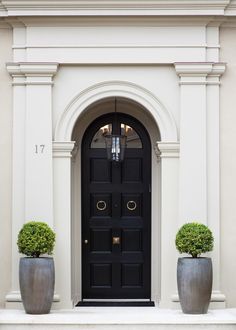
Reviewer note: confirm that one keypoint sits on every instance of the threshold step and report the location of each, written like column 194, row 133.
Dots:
column 115, row 304
column 110, row 318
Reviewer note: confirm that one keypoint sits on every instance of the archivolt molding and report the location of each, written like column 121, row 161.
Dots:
column 145, row 98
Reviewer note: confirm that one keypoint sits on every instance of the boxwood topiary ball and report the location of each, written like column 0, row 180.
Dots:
column 194, row 239
column 36, row 238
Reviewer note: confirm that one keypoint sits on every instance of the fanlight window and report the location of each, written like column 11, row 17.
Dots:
column 132, row 138
column 98, row 140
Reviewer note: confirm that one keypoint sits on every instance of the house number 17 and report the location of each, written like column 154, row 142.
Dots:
column 39, row 148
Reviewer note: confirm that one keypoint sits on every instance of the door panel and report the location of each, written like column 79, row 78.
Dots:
column 116, row 213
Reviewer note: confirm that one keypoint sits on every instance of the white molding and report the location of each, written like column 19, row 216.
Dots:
column 32, row 73
column 94, row 8
column 39, row 46
column 15, row 296
column 218, row 69
column 205, row 73
column 168, row 149
column 145, row 98
column 63, row 149
column 215, row 297
column 115, row 7
column 199, row 68
column 32, row 69
column 151, row 21
column 231, row 8
column 3, row 11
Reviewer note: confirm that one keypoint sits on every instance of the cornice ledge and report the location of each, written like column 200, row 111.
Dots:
column 199, row 69
column 3, row 11
column 174, row 7
column 63, row 149
column 218, row 69
column 32, row 69
column 231, row 8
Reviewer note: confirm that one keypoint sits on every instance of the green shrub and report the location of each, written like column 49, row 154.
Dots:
column 36, row 238
column 194, row 238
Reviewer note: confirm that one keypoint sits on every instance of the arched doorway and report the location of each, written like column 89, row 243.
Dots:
column 116, row 212
column 67, row 155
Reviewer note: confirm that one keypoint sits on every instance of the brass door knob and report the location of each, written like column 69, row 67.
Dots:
column 115, row 240
column 85, row 241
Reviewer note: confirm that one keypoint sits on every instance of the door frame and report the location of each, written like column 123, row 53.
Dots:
column 137, row 111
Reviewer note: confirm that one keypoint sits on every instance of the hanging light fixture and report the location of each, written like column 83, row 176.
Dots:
column 115, row 145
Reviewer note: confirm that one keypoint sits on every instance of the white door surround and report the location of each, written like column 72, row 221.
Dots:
column 135, row 96
column 198, row 163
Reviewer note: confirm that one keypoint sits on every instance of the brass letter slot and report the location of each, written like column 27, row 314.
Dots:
column 115, row 240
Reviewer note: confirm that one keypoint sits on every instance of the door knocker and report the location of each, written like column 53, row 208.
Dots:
column 101, row 205
column 131, row 205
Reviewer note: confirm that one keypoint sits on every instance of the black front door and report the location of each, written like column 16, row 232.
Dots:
column 116, row 212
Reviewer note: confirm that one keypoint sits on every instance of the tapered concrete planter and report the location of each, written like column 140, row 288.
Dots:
column 37, row 278
column 194, row 279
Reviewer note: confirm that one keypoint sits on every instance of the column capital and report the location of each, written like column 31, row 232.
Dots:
column 32, row 73
column 199, row 73
column 63, row 149
column 168, row 149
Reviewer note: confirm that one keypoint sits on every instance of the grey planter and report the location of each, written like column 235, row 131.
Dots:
column 37, row 278
column 194, row 279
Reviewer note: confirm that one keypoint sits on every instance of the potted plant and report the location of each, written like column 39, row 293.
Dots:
column 36, row 273
column 194, row 274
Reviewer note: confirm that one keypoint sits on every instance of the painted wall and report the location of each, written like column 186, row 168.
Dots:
column 38, row 106
column 6, row 161
column 228, row 165
column 70, row 81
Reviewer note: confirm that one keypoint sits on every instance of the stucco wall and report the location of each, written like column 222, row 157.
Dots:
column 5, row 168
column 228, row 165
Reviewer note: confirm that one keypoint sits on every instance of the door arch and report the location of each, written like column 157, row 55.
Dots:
column 116, row 212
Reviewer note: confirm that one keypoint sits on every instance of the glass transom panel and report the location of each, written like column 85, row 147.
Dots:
column 133, row 139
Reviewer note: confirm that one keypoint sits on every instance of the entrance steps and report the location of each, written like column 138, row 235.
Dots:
column 114, row 318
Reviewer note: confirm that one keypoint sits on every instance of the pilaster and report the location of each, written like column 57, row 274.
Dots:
column 62, row 154
column 194, row 79
column 32, row 151
column 199, row 151
column 18, row 177
column 169, row 156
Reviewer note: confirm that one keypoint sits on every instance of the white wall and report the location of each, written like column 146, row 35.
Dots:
column 228, row 165
column 5, row 167
column 69, row 81
column 153, row 76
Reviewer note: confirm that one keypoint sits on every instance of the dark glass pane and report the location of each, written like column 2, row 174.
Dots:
column 133, row 139
column 98, row 140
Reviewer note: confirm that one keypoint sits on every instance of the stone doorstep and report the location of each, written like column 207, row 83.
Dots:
column 117, row 316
